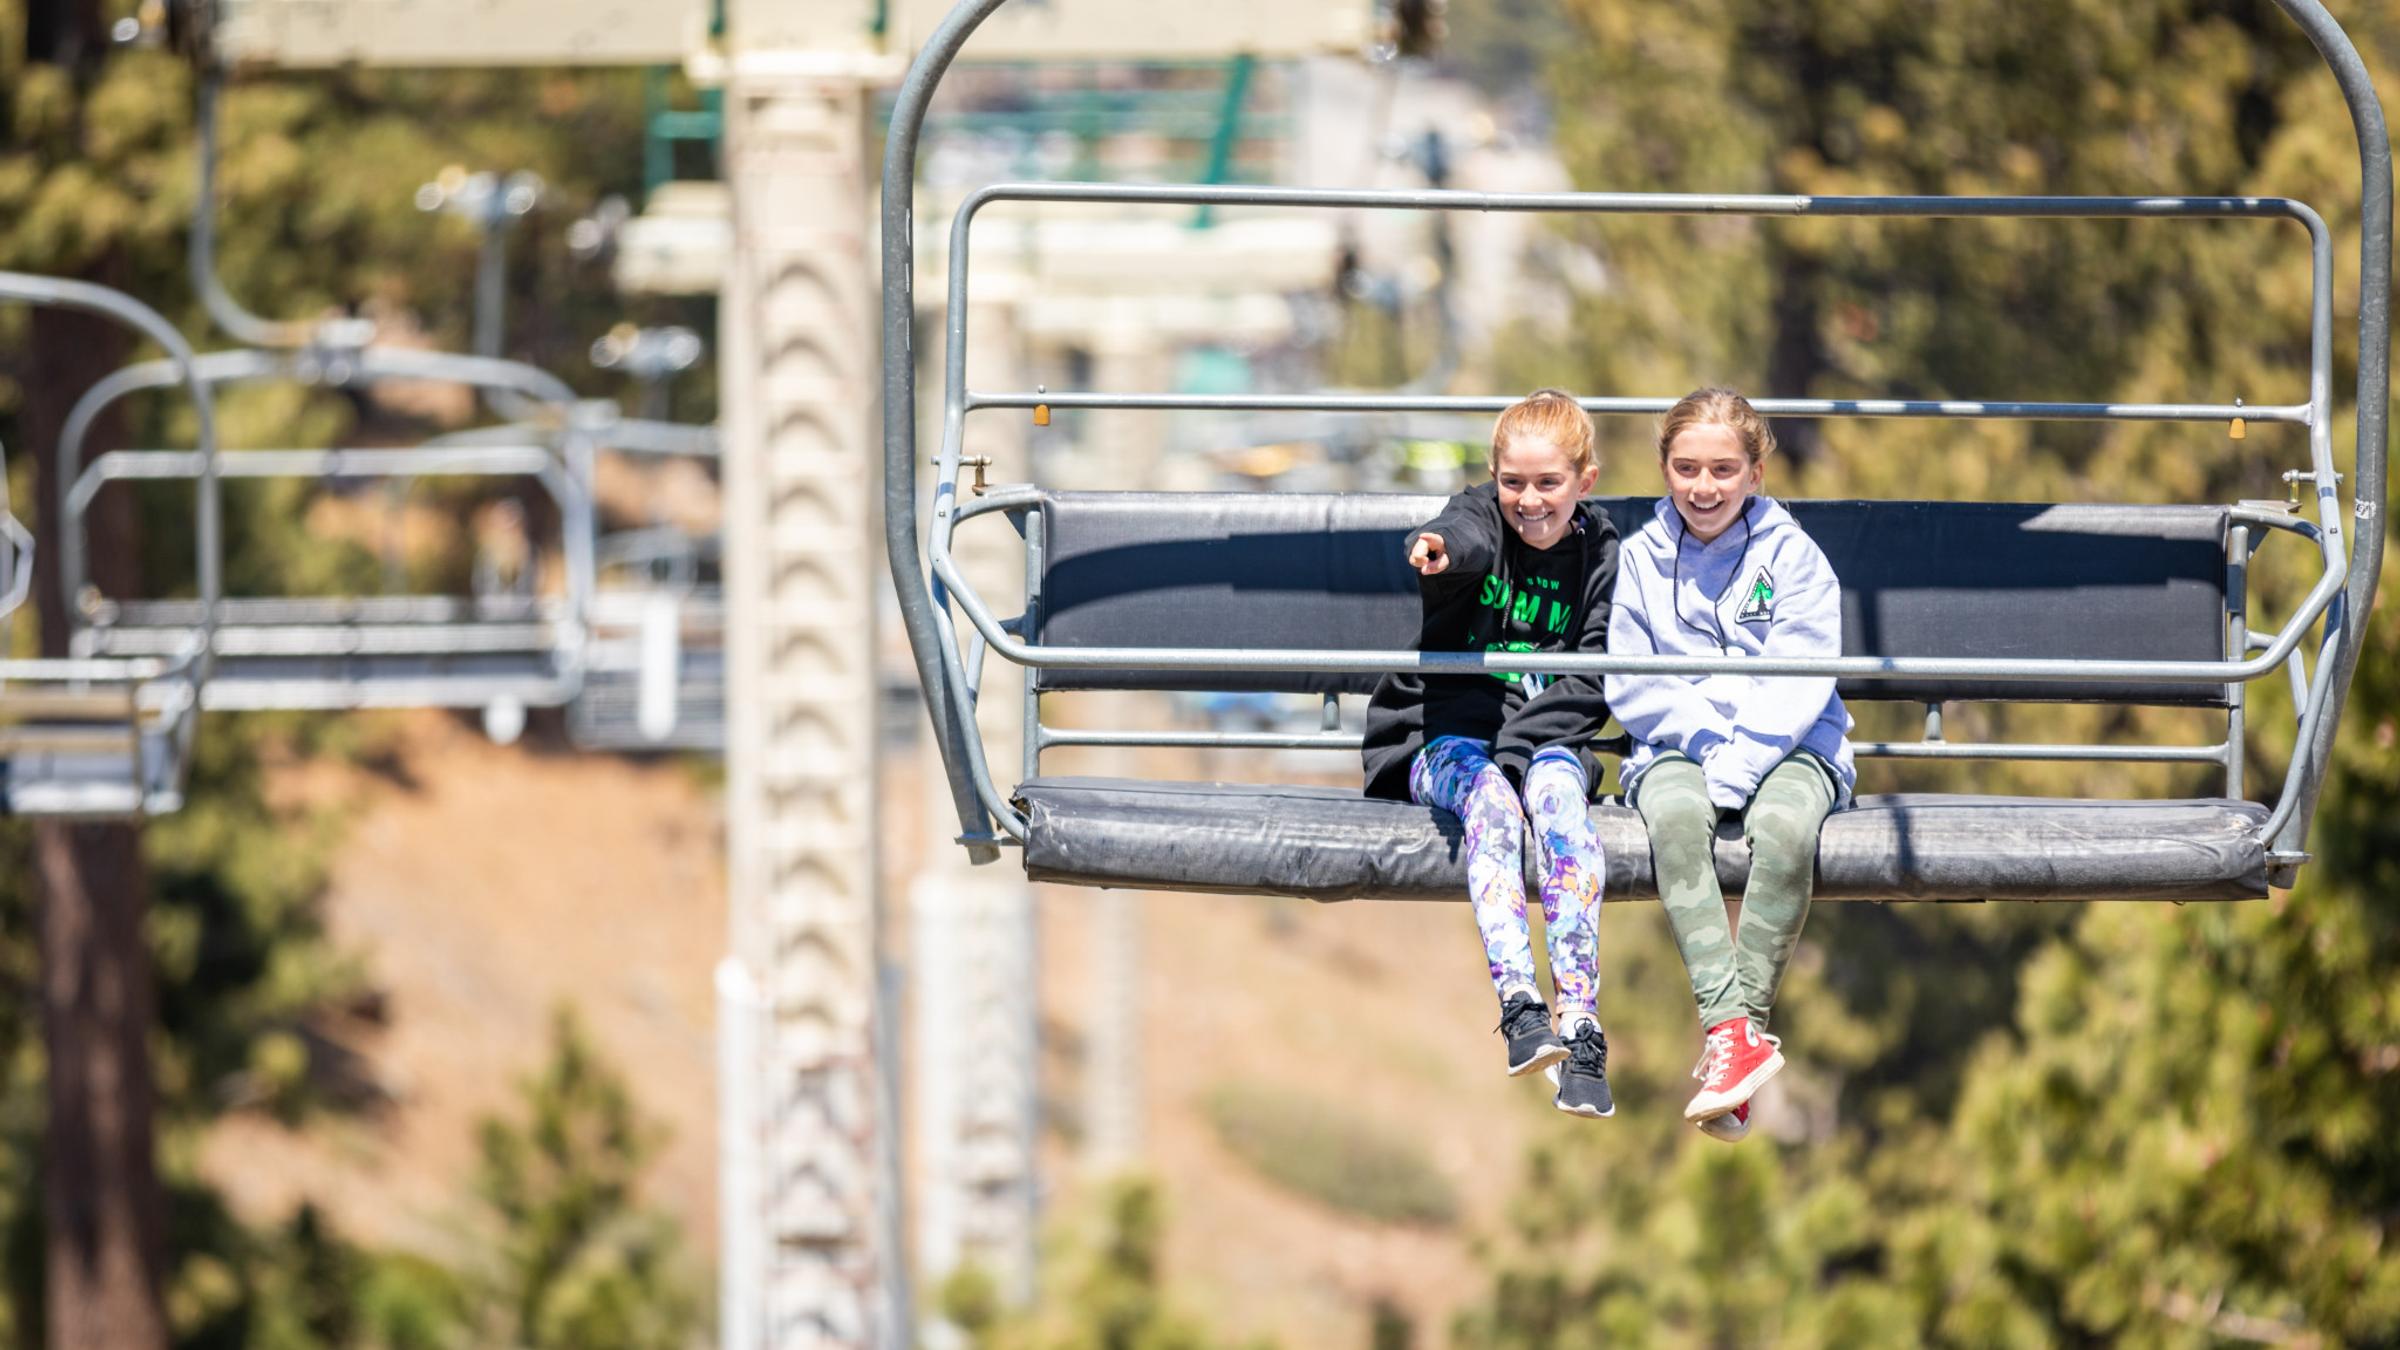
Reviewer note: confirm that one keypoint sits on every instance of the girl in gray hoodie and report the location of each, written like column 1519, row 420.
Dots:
column 1723, row 570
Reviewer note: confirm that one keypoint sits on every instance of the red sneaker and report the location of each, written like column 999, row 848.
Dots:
column 1738, row 1062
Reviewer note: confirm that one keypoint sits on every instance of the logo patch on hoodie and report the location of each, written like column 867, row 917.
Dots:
column 1758, row 597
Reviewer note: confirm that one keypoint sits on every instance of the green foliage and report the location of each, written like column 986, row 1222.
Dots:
column 245, row 970
column 1503, row 46
column 582, row 1266
column 2134, row 1125
column 411, row 1303
column 244, row 975
column 1325, row 1151
column 1107, row 1289
column 301, row 1286
column 575, row 1262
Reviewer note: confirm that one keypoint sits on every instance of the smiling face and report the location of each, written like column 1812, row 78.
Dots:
column 1539, row 486
column 1709, row 477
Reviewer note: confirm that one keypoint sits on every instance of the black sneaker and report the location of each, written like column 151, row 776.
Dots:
column 1583, row 1079
column 1532, row 1045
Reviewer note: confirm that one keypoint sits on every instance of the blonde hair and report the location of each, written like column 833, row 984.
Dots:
column 1549, row 413
column 1718, row 407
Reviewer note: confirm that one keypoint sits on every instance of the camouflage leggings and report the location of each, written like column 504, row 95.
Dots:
column 1735, row 975
column 1458, row 775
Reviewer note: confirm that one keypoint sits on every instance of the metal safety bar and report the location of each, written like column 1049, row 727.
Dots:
column 306, row 629
column 1005, row 636
column 2315, row 415
column 1021, row 503
column 337, row 368
column 1055, row 737
column 2333, row 598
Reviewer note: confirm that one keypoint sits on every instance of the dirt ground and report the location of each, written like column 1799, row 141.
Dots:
column 477, row 938
column 620, row 911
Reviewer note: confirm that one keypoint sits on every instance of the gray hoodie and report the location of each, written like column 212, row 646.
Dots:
column 1760, row 588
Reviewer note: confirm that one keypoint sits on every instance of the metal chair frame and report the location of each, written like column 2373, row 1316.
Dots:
column 949, row 670
column 366, row 651
column 112, row 738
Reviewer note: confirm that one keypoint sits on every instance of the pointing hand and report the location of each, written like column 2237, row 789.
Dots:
column 1429, row 555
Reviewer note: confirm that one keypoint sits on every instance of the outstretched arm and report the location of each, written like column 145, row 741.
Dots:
column 1454, row 548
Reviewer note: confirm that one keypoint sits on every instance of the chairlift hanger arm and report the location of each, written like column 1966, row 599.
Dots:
column 509, row 398
column 2369, row 487
column 230, row 314
column 909, row 577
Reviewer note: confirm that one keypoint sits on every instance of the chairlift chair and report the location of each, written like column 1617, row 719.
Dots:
column 496, row 652
column 654, row 664
column 1308, row 593
column 108, row 737
column 654, row 675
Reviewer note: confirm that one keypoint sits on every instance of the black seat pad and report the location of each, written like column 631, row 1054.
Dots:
column 1325, row 843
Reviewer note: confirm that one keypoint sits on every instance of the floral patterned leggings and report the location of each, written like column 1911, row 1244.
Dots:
column 1458, row 775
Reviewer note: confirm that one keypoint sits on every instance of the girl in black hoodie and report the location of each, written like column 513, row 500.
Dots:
column 1520, row 564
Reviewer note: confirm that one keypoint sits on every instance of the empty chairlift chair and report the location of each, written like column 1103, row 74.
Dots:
column 1950, row 601
column 108, row 737
column 502, row 650
column 654, row 676
column 654, row 665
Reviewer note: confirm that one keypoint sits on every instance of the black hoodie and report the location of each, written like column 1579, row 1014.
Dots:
column 1500, row 593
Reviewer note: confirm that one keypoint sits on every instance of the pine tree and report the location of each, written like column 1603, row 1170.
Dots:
column 1109, row 1288
column 583, row 1266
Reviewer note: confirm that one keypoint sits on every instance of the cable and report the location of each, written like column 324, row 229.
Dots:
column 1716, row 626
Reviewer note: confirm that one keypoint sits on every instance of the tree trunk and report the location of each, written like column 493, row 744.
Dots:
column 102, row 1201
column 103, row 1205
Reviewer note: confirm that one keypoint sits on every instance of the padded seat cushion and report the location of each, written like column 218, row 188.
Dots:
column 1326, row 843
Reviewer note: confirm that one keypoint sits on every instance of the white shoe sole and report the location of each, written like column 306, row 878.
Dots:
column 1709, row 1105
column 1542, row 1059
column 1552, row 1074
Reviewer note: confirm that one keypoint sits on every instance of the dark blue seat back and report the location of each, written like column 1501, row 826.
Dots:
column 1926, row 579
